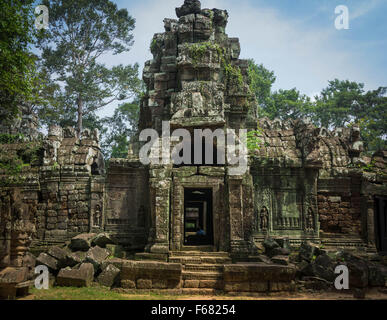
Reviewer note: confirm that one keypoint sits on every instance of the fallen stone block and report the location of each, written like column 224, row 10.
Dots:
column 13, row 282
column 269, row 245
column 50, row 262
column 61, row 255
column 82, row 242
column 101, row 240
column 358, row 274
column 74, row 258
column 77, row 277
column 377, row 275
column 96, row 256
column 282, row 260
column 109, row 276
column 308, row 250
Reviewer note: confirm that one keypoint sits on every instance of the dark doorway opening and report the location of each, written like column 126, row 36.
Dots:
column 381, row 223
column 198, row 223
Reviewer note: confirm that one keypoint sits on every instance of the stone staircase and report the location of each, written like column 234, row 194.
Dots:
column 202, row 270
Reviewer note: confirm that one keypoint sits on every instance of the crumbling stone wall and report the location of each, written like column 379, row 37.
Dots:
column 60, row 183
column 340, row 206
column 325, row 171
column 126, row 211
column 304, row 183
column 70, row 184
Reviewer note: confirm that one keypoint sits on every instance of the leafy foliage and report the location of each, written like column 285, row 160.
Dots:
column 261, row 81
column 335, row 105
column 341, row 103
column 17, row 64
column 123, row 126
column 80, row 33
column 254, row 141
column 17, row 156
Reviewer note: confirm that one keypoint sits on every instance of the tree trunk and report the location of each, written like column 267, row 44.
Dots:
column 80, row 111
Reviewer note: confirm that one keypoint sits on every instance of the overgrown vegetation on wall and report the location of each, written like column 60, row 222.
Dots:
column 17, row 156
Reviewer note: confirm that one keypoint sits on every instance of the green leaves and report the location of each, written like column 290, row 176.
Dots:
column 261, row 82
column 81, row 32
column 288, row 104
column 340, row 104
column 336, row 103
column 17, row 64
column 254, row 140
column 123, row 126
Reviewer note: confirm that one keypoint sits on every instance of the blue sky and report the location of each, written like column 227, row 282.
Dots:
column 297, row 39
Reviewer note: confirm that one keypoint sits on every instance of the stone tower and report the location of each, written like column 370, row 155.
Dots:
column 196, row 78
column 197, row 81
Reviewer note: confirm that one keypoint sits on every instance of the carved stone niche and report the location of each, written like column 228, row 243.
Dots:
column 22, row 229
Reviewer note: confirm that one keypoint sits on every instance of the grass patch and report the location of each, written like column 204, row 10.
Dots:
column 92, row 293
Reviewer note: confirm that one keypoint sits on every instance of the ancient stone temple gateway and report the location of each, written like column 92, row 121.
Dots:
column 305, row 183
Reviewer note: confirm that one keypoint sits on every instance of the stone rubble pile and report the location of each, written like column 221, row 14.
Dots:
column 86, row 258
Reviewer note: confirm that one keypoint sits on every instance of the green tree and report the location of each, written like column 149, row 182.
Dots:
column 17, row 64
column 261, row 82
column 122, row 126
column 335, row 105
column 282, row 104
column 345, row 103
column 371, row 114
column 288, row 104
column 80, row 33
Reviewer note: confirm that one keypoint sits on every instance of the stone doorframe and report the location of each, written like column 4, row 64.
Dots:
column 177, row 207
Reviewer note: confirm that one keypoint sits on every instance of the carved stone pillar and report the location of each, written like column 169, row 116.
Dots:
column 160, row 189
column 238, row 244
column 5, row 231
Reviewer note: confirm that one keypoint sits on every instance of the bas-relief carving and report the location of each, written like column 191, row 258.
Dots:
column 264, row 219
column 288, row 215
column 278, row 211
column 309, row 220
column 264, row 205
column 97, row 216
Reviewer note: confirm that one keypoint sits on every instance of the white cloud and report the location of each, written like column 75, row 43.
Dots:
column 364, row 8
column 301, row 55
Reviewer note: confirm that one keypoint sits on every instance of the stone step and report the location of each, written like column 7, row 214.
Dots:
column 198, row 249
column 204, row 267
column 198, row 253
column 199, row 291
column 200, row 260
column 191, row 275
column 151, row 256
